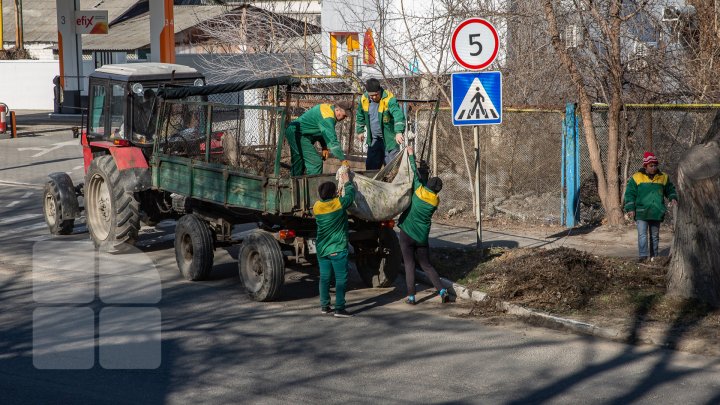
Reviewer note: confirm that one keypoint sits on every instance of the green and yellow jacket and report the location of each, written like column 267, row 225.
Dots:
column 318, row 124
column 332, row 222
column 644, row 195
column 391, row 117
column 417, row 218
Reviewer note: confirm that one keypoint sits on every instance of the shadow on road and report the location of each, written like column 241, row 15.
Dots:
column 661, row 372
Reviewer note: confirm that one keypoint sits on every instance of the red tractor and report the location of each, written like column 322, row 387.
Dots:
column 117, row 140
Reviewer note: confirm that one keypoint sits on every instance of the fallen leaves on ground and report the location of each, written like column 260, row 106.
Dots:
column 607, row 291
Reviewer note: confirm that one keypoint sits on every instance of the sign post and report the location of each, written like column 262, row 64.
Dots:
column 476, row 97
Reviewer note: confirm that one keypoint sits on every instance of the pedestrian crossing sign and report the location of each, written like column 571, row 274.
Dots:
column 476, row 98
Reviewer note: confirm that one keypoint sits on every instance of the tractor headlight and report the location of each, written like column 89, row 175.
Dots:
column 137, row 88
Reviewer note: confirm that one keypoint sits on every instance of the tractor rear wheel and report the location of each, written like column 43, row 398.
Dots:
column 112, row 214
column 261, row 266
column 193, row 247
column 53, row 210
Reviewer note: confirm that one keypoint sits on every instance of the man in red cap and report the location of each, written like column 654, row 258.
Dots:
column 644, row 201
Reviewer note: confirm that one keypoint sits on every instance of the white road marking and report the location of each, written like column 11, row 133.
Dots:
column 18, row 184
column 18, row 218
column 16, row 202
column 22, row 229
column 55, row 146
column 77, row 167
column 82, row 229
column 39, row 238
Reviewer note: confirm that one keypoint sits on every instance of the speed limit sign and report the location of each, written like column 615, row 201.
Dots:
column 475, row 43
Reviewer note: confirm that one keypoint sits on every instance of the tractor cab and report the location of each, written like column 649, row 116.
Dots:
column 122, row 107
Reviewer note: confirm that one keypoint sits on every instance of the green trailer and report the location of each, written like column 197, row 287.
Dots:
column 227, row 164
column 158, row 143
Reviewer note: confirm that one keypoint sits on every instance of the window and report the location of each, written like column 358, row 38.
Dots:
column 97, row 112
column 117, row 111
column 144, row 116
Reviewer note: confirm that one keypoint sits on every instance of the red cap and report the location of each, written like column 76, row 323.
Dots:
column 648, row 158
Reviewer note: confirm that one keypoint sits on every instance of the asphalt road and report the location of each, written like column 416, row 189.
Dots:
column 211, row 344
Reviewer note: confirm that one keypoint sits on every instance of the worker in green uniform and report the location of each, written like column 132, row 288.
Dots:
column 315, row 125
column 380, row 123
column 645, row 197
column 414, row 227
column 332, row 242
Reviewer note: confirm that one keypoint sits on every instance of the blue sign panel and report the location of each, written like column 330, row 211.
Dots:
column 476, row 98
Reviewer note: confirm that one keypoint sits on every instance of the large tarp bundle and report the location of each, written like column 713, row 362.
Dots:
column 376, row 200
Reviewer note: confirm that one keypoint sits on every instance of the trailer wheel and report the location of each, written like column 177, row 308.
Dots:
column 193, row 247
column 53, row 210
column 261, row 266
column 379, row 261
column 112, row 214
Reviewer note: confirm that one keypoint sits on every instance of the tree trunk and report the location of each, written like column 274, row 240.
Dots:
column 695, row 266
column 613, row 211
column 607, row 178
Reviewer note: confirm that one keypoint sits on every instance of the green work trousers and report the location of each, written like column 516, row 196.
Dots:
column 333, row 263
column 304, row 158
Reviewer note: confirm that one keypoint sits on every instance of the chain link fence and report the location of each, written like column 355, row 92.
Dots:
column 316, row 90
column 519, row 166
column 666, row 130
column 240, row 137
column 520, row 160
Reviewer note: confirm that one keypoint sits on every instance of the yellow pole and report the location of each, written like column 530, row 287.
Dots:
column 1, row 27
column 333, row 55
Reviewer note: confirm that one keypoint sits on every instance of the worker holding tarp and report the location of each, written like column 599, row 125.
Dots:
column 380, row 116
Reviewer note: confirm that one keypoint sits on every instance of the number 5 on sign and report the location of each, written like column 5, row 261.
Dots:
column 475, row 43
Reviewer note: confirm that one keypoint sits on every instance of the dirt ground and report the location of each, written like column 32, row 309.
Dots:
column 609, row 292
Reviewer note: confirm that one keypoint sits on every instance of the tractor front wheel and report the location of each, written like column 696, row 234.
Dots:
column 53, row 210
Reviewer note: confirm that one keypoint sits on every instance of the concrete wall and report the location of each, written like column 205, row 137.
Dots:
column 27, row 84
column 37, row 50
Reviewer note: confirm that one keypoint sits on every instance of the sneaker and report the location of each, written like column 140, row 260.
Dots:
column 410, row 300
column 642, row 259
column 342, row 313
column 444, row 296
column 326, row 310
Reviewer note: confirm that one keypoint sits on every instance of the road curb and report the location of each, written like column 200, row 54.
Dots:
column 536, row 317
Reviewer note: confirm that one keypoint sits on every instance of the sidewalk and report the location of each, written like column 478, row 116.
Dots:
column 600, row 240
column 36, row 123
column 45, row 117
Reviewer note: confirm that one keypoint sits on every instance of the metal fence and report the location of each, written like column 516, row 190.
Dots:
column 242, row 137
column 519, row 165
column 520, row 160
column 666, row 130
